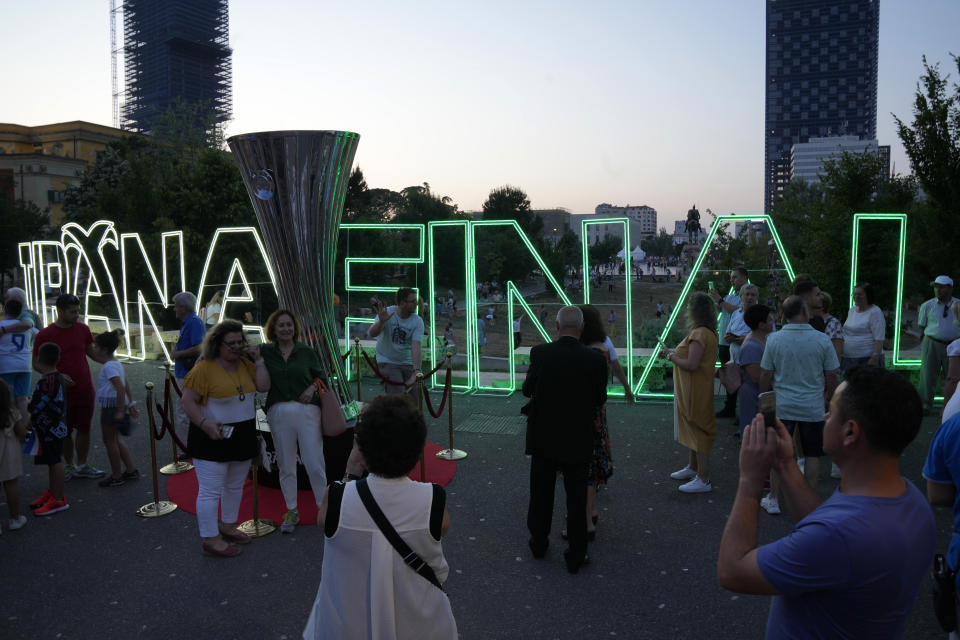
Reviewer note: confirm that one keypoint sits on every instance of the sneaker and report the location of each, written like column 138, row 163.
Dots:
column 52, row 506
column 131, row 475
column 111, row 481
column 696, row 486
column 834, row 471
column 290, row 520
column 770, row 505
column 88, row 471
column 684, row 474
column 13, row 525
column 69, row 471
column 42, row 500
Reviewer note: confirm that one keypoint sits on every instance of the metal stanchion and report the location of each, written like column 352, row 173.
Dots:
column 177, row 466
column 157, row 507
column 358, row 355
column 451, row 453
column 257, row 528
column 423, row 454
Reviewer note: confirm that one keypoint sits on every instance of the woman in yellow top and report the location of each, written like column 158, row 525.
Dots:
column 693, row 370
column 218, row 398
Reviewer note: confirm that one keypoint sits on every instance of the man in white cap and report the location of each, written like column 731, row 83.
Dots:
column 939, row 329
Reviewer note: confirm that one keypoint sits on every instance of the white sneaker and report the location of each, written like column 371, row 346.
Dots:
column 834, row 470
column 696, row 486
column 684, row 474
column 770, row 505
column 13, row 525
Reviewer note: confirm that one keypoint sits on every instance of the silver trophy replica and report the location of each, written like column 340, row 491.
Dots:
column 297, row 181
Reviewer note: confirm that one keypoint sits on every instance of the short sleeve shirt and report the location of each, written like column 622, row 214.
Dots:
column 228, row 397
column 799, row 355
column 931, row 319
column 192, row 333
column 15, row 349
column 106, row 393
column 289, row 378
column 73, row 342
column 396, row 338
column 943, row 466
column 852, row 568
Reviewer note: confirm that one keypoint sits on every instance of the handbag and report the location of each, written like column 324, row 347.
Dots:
column 332, row 422
column 731, row 377
column 410, row 557
column 944, row 593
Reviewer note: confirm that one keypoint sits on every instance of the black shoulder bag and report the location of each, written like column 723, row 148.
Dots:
column 410, row 557
column 944, row 593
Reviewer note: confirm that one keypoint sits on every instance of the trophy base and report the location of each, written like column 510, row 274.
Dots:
column 174, row 468
column 257, row 528
column 451, row 454
column 156, row 509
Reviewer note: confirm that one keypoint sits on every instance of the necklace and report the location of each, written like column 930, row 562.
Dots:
column 285, row 351
column 236, row 377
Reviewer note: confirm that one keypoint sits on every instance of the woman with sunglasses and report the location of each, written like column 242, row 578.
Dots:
column 218, row 398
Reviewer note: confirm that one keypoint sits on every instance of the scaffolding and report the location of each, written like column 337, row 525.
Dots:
column 175, row 50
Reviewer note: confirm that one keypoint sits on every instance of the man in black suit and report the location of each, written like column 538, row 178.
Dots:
column 566, row 382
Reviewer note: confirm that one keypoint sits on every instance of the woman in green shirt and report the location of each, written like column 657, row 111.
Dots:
column 293, row 410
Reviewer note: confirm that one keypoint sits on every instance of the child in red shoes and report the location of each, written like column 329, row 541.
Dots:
column 47, row 409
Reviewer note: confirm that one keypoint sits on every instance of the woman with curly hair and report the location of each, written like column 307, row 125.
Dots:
column 693, row 368
column 218, row 398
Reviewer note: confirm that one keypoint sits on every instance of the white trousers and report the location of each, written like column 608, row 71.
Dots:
column 293, row 423
column 221, row 485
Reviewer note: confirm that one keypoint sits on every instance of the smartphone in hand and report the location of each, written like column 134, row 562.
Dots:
column 767, row 405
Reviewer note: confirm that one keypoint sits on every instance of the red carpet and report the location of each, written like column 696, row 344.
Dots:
column 182, row 489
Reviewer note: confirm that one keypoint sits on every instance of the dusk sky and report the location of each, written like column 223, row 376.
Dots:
column 635, row 102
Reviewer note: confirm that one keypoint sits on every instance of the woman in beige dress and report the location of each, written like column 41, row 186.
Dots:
column 693, row 371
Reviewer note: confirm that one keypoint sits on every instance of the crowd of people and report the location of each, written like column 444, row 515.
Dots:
column 851, row 566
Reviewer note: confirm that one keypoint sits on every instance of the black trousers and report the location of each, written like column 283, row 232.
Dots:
column 543, row 481
column 723, row 354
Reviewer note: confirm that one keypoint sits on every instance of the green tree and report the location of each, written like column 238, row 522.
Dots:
column 511, row 203
column 659, row 245
column 564, row 255
column 933, row 141
column 604, row 251
column 815, row 222
column 20, row 220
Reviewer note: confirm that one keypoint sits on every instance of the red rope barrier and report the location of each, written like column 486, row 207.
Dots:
column 376, row 370
column 346, row 355
column 173, row 383
column 167, row 428
column 443, row 399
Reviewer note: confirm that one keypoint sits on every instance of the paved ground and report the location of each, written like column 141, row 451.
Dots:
column 98, row 571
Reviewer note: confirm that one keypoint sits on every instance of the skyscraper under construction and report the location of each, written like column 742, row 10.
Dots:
column 175, row 50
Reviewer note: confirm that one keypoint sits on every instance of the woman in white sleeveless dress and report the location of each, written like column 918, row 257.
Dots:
column 366, row 589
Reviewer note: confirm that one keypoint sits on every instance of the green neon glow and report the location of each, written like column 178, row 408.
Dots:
column 628, row 291
column 689, row 283
column 901, row 218
column 350, row 366
column 350, row 287
column 349, row 261
column 469, row 279
column 471, row 297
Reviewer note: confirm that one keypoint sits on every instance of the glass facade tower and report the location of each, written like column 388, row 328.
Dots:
column 821, row 78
